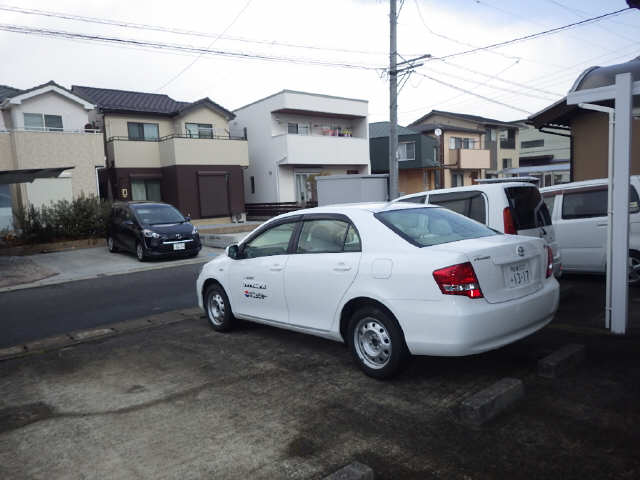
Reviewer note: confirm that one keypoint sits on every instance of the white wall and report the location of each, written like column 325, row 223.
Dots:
column 555, row 145
column 74, row 115
column 44, row 191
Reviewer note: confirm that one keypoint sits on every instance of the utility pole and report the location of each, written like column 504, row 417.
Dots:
column 393, row 103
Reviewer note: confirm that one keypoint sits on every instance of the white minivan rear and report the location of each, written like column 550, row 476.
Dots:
column 513, row 208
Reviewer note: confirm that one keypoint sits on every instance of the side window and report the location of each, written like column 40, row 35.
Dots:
column 469, row 204
column 322, row 236
column 549, row 201
column 352, row 241
column 584, row 204
column 634, row 201
column 274, row 241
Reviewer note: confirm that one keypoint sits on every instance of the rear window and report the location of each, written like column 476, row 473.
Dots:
column 470, row 204
column 527, row 208
column 425, row 227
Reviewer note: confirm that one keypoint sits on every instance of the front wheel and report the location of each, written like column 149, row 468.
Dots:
column 140, row 252
column 376, row 342
column 216, row 304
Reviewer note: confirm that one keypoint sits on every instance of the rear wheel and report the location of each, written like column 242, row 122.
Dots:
column 634, row 269
column 376, row 342
column 216, row 304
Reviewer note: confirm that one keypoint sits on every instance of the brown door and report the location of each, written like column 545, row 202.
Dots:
column 213, row 188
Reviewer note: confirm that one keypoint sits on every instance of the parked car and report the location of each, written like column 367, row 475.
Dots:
column 512, row 207
column 151, row 229
column 387, row 279
column 579, row 215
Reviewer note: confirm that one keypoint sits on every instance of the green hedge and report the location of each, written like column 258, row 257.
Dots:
column 83, row 217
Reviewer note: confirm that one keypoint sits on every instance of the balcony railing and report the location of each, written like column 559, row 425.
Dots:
column 171, row 136
column 54, row 130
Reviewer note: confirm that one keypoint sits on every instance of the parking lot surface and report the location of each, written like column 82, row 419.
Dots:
column 182, row 401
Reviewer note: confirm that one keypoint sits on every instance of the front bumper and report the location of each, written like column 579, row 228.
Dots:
column 459, row 326
column 159, row 248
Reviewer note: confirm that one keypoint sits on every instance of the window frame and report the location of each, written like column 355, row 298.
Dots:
column 43, row 126
column 539, row 142
column 582, row 192
column 200, row 127
column 331, row 217
column 144, row 138
column 406, row 158
column 265, row 228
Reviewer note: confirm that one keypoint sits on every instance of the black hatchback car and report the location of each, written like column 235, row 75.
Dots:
column 151, row 229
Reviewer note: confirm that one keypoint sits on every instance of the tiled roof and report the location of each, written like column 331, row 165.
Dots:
column 8, row 92
column 141, row 102
column 381, row 129
column 464, row 116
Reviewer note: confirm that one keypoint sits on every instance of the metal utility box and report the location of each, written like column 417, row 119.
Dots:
column 334, row 189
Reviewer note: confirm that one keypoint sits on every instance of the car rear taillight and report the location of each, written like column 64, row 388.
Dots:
column 509, row 225
column 549, row 262
column 458, row 280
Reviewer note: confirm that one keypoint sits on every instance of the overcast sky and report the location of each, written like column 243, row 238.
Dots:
column 538, row 71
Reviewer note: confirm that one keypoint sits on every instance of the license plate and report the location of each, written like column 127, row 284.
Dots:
column 517, row 275
column 178, row 246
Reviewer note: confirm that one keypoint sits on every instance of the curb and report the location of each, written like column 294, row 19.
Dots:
column 77, row 337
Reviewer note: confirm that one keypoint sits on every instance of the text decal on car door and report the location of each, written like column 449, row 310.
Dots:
column 248, row 283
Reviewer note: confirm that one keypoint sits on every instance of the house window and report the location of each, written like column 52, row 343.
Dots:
column 143, row 131
column 463, row 143
column 406, row 151
column 253, row 185
column 457, row 179
column 40, row 122
column 199, row 130
column 532, row 143
column 299, row 128
column 146, row 190
column 506, row 163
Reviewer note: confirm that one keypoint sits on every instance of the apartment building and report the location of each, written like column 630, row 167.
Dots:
column 471, row 146
column 166, row 150
column 296, row 136
column 48, row 149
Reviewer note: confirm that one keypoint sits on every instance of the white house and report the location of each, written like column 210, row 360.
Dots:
column 296, row 136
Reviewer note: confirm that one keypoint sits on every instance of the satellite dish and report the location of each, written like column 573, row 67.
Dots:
column 438, row 132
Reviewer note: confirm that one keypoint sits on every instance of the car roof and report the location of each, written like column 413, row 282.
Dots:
column 582, row 183
column 133, row 203
column 476, row 187
column 373, row 207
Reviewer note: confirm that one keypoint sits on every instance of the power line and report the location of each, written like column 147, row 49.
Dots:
column 533, row 35
column 178, row 47
column 178, row 31
column 187, row 67
column 455, row 87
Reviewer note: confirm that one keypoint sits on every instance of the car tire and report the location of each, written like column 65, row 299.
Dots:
column 634, row 269
column 193, row 254
column 218, row 309
column 111, row 244
column 140, row 253
column 376, row 342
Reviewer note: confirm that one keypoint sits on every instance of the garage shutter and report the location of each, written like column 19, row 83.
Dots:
column 213, row 188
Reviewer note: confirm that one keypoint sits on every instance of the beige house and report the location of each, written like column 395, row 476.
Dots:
column 471, row 147
column 47, row 151
column 178, row 152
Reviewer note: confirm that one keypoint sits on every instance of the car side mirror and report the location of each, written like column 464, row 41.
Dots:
column 128, row 223
column 233, row 251
column 187, row 218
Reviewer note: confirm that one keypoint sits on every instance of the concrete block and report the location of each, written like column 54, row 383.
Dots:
column 353, row 471
column 561, row 361
column 49, row 343
column 93, row 333
column 222, row 240
column 11, row 352
column 488, row 403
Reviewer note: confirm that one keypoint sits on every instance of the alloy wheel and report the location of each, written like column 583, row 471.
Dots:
column 634, row 270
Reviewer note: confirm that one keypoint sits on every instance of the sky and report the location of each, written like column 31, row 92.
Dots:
column 522, row 78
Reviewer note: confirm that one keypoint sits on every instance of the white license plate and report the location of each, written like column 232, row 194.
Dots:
column 517, row 275
column 178, row 246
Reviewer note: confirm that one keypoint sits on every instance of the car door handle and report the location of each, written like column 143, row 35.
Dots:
column 602, row 224
column 341, row 268
column 276, row 267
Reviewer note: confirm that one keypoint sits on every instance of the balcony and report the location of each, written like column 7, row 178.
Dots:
column 473, row 159
column 178, row 150
column 322, row 150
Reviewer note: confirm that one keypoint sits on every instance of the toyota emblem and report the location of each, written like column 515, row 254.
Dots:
column 180, row 236
column 520, row 250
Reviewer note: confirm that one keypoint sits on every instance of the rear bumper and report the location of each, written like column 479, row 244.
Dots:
column 459, row 326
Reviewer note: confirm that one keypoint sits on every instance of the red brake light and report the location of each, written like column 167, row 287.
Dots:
column 458, row 280
column 509, row 225
column 549, row 262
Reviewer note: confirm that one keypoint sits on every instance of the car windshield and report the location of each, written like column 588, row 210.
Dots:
column 425, row 227
column 158, row 214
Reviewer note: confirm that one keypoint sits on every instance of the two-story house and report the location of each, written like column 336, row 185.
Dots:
column 416, row 155
column 471, row 147
column 166, row 150
column 48, row 152
column 543, row 155
column 296, row 136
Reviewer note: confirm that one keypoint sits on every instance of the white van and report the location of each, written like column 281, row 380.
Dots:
column 579, row 215
column 506, row 206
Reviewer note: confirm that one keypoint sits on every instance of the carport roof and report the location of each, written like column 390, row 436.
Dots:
column 30, row 174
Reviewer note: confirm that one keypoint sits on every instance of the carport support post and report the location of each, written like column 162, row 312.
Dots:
column 620, row 236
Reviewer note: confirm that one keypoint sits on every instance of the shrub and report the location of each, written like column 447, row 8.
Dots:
column 83, row 217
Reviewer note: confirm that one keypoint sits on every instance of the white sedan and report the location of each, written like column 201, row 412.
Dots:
column 388, row 279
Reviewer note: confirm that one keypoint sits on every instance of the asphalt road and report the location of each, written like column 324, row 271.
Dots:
column 34, row 313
